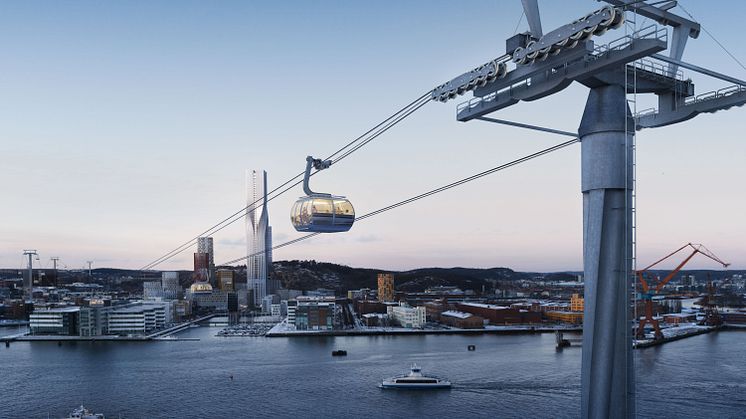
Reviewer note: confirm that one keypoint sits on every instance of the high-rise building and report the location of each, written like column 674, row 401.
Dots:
column 385, row 287
column 258, row 235
column 204, row 245
column 225, row 280
column 201, row 267
column 170, row 285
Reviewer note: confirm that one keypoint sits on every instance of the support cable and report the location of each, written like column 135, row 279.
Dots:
column 356, row 144
column 426, row 194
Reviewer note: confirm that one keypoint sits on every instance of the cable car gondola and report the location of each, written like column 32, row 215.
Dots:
column 321, row 212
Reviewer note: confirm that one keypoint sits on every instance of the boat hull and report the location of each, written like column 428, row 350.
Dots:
column 402, row 386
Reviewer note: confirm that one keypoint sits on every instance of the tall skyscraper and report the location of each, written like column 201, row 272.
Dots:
column 258, row 235
column 204, row 245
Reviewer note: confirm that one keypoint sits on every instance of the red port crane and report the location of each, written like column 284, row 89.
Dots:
column 648, row 291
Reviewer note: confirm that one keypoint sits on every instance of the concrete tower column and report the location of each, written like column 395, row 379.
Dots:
column 607, row 374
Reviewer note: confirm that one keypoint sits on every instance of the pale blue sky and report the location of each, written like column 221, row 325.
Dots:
column 126, row 127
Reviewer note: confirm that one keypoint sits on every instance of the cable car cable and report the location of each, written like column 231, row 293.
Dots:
column 381, row 127
column 426, row 194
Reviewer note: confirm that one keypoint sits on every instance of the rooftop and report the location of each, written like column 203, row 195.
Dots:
column 71, row 309
column 458, row 314
column 489, row 306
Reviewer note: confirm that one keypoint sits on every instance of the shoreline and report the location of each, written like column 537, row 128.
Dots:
column 512, row 330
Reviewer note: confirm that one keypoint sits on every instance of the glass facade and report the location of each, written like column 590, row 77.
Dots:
column 322, row 214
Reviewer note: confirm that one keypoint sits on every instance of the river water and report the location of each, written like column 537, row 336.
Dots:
column 507, row 376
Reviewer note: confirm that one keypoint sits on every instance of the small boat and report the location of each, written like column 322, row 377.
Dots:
column 415, row 380
column 339, row 352
column 471, row 348
column 83, row 413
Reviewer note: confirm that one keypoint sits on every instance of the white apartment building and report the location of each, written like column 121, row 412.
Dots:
column 407, row 316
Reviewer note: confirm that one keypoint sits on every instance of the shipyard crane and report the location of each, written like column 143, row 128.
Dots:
column 648, row 291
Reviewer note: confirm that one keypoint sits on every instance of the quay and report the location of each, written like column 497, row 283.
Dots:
column 158, row 336
column 274, row 333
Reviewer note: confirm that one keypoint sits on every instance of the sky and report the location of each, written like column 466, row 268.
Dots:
column 126, row 129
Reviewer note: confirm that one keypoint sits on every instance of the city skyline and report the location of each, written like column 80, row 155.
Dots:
column 71, row 138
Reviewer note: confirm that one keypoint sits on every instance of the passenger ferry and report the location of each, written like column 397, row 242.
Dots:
column 415, row 380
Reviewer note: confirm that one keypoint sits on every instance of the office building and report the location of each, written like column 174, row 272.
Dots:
column 152, row 290
column 225, row 278
column 204, row 245
column 385, row 287
column 170, row 284
column 138, row 319
column 314, row 315
column 407, row 316
column 55, row 321
column 268, row 301
column 258, row 235
column 201, row 267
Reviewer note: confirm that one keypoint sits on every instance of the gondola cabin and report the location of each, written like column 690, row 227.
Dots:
column 322, row 214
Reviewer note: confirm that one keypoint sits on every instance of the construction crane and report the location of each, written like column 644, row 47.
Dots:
column 648, row 291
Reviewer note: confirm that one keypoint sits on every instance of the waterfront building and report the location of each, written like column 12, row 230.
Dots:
column 55, row 321
column 678, row 318
column 407, row 316
column 433, row 309
column 138, row 319
column 572, row 317
column 385, row 287
column 232, row 302
column 94, row 320
column 204, row 245
column 315, row 315
column 258, row 235
column 461, row 320
column 203, row 296
column 291, row 306
column 500, row 314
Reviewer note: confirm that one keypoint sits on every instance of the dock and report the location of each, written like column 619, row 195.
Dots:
column 158, row 336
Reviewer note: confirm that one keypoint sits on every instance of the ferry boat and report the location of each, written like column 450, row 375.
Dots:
column 415, row 380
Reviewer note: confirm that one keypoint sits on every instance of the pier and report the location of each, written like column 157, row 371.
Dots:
column 158, row 336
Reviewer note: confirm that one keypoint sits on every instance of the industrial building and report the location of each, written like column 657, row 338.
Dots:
column 461, row 320
column 500, row 314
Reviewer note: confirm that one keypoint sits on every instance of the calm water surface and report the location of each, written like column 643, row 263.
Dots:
column 507, row 376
